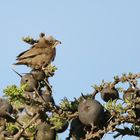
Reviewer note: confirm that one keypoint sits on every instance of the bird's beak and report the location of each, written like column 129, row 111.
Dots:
column 56, row 43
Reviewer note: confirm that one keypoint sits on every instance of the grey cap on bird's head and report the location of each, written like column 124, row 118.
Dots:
column 50, row 39
column 53, row 41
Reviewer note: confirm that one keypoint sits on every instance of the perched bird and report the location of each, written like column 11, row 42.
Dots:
column 109, row 94
column 77, row 130
column 5, row 108
column 91, row 112
column 40, row 54
column 132, row 96
column 44, row 132
column 30, row 82
column 39, row 75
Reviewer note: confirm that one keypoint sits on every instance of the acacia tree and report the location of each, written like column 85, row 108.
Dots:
column 29, row 112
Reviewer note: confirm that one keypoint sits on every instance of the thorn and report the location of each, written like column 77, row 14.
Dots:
column 84, row 97
column 17, row 73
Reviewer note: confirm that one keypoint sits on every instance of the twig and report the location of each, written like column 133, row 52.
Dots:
column 18, row 135
column 48, row 85
column 126, row 131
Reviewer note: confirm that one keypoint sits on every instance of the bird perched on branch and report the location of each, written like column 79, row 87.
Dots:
column 40, row 54
column 5, row 108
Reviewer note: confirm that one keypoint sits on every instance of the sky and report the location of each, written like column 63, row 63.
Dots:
column 100, row 39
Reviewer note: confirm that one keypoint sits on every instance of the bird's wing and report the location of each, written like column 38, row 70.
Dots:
column 42, row 43
column 30, row 53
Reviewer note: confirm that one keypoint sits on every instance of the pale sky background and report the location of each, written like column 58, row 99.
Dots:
column 100, row 39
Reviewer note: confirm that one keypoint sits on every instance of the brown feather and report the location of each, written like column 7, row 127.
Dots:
column 39, row 55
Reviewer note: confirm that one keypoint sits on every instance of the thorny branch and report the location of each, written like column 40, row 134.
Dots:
column 56, row 116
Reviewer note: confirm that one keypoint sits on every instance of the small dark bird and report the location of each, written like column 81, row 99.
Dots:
column 39, row 75
column 5, row 108
column 77, row 130
column 44, row 132
column 109, row 94
column 30, row 82
column 40, row 54
column 91, row 112
column 132, row 96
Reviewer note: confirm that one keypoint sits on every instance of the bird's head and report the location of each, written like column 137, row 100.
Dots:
column 52, row 41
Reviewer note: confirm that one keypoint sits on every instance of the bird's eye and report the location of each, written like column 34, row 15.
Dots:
column 50, row 41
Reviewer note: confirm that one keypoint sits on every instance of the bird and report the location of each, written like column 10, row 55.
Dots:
column 45, row 132
column 91, row 112
column 5, row 108
column 41, row 54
